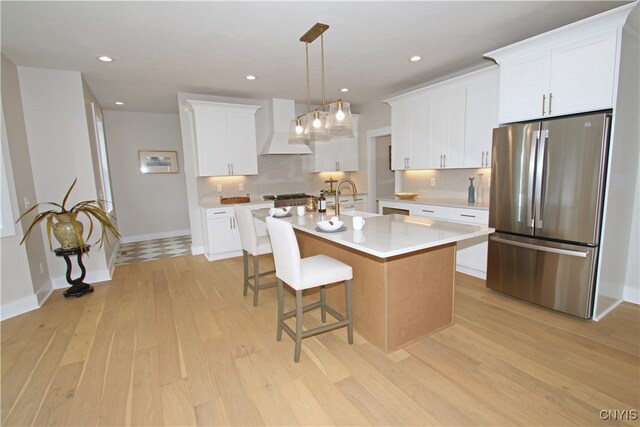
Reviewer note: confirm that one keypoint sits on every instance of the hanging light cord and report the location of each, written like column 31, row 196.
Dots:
column 322, row 57
column 308, row 82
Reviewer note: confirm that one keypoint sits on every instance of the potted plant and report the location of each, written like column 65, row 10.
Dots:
column 67, row 228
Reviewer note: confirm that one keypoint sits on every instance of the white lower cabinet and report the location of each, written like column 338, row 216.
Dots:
column 471, row 256
column 222, row 238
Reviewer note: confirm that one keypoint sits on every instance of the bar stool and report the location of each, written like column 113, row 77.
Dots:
column 306, row 273
column 256, row 246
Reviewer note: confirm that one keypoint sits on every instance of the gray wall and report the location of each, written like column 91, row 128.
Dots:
column 148, row 205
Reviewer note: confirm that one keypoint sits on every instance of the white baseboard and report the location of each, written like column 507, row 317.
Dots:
column 14, row 308
column 632, row 294
column 101, row 275
column 197, row 250
column 471, row 272
column 153, row 236
column 44, row 292
column 224, row 255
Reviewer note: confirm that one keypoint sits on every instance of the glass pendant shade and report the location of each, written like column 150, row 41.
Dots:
column 296, row 132
column 339, row 115
column 316, row 128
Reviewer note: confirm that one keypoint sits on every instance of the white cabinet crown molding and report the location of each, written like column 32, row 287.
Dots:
column 612, row 19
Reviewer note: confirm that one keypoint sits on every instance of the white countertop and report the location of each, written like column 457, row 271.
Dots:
column 453, row 203
column 385, row 236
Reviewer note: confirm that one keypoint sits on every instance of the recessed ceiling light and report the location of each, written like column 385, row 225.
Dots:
column 344, row 89
column 415, row 58
column 250, row 77
column 119, row 103
column 105, row 58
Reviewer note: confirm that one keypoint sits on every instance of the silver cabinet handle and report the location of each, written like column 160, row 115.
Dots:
column 440, row 160
column 578, row 254
column 488, row 164
column 219, row 213
column 468, row 216
column 544, row 101
column 483, row 158
column 444, row 160
column 427, row 210
column 232, row 171
column 550, row 101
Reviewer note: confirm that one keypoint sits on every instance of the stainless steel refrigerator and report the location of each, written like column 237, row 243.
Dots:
column 547, row 184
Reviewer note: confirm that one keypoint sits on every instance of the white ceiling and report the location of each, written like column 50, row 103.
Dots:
column 161, row 48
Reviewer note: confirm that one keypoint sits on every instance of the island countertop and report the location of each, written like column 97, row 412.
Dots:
column 386, row 236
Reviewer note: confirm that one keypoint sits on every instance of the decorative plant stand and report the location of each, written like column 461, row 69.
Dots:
column 78, row 287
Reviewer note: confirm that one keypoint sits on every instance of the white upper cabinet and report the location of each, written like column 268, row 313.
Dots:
column 340, row 154
column 446, row 125
column 481, row 118
column 565, row 71
column 225, row 138
column 409, row 133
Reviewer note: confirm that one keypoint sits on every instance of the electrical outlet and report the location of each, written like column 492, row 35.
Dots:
column 433, row 182
column 41, row 269
column 27, row 203
column 219, row 188
column 241, row 187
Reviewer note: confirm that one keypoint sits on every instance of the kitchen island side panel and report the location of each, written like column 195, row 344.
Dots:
column 395, row 300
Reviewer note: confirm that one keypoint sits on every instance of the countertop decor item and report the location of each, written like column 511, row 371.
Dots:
column 67, row 228
column 329, row 120
column 406, row 196
column 472, row 192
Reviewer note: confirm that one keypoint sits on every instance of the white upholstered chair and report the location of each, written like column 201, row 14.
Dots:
column 306, row 273
column 255, row 245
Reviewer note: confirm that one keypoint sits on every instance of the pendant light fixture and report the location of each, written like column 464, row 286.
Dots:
column 329, row 120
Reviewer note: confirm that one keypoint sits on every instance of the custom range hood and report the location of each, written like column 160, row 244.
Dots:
column 282, row 111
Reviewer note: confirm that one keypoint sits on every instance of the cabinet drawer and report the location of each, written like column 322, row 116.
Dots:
column 220, row 212
column 428, row 211
column 470, row 216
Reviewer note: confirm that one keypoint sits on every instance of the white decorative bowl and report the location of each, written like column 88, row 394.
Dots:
column 330, row 225
column 279, row 212
column 406, row 196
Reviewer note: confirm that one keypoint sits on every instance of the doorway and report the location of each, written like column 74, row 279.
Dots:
column 381, row 179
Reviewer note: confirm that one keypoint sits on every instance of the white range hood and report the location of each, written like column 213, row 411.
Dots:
column 283, row 111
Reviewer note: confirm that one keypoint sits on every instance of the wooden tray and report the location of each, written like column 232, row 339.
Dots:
column 234, row 200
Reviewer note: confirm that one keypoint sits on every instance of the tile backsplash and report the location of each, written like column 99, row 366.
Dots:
column 449, row 183
column 278, row 174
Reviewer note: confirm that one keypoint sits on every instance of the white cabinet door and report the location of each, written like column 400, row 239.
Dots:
column 409, row 134
column 582, row 75
column 222, row 236
column 210, row 133
column 523, row 84
column 225, row 138
column 339, row 154
column 446, row 128
column 400, row 135
column 241, row 144
column 481, row 119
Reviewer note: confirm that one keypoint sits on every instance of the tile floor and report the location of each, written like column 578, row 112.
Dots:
column 148, row 250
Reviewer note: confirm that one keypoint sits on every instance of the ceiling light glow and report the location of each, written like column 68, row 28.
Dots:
column 344, row 89
column 119, row 103
column 250, row 77
column 415, row 58
column 104, row 58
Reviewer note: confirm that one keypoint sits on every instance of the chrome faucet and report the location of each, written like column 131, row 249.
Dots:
column 354, row 190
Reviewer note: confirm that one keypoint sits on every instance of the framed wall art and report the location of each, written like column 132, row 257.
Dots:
column 158, row 161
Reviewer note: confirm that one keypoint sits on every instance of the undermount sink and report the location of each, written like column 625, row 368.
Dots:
column 358, row 213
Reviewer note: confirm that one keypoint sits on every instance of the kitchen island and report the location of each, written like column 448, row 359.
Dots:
column 403, row 271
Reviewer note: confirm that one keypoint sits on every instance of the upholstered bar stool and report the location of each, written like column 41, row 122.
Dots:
column 306, row 273
column 255, row 245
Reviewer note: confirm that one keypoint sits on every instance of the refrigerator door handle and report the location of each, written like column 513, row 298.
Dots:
column 578, row 254
column 530, row 181
column 542, row 147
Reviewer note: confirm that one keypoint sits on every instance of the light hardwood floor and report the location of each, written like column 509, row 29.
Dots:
column 173, row 342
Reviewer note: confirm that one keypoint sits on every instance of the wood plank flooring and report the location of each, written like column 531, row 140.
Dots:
column 174, row 342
